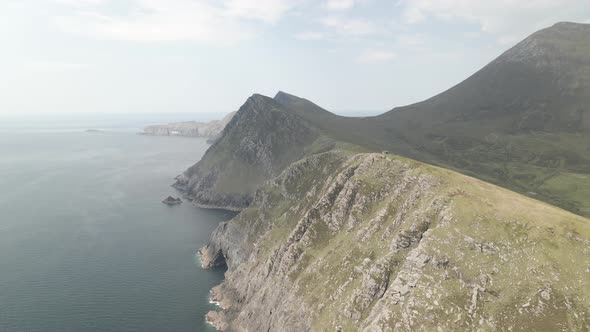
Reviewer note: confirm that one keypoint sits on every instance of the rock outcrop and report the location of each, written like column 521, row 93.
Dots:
column 172, row 201
column 374, row 242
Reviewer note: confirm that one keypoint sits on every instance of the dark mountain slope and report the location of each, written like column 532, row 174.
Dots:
column 522, row 122
column 541, row 84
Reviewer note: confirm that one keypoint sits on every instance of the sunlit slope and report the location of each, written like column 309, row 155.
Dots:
column 375, row 242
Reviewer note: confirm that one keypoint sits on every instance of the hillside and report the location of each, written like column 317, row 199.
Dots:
column 342, row 241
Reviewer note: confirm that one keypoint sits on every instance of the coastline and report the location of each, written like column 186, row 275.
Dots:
column 215, row 317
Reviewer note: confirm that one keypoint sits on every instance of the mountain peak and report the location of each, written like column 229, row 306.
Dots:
column 552, row 48
column 258, row 98
column 570, row 25
column 286, row 98
column 300, row 105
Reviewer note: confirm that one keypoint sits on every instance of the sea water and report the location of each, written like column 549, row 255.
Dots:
column 85, row 242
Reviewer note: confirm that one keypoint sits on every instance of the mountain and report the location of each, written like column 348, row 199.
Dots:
column 522, row 122
column 209, row 130
column 260, row 141
column 541, row 84
column 396, row 222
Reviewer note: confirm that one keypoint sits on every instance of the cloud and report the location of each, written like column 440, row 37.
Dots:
column 79, row 2
column 507, row 20
column 339, row 4
column 55, row 65
column 309, row 35
column 209, row 21
column 373, row 56
column 413, row 15
column 414, row 41
column 350, row 26
column 268, row 11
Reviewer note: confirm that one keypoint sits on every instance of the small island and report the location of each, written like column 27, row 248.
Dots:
column 172, row 201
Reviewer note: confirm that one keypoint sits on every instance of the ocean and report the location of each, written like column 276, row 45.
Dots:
column 85, row 242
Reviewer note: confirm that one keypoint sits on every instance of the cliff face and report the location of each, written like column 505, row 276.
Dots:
column 346, row 242
column 257, row 144
column 190, row 128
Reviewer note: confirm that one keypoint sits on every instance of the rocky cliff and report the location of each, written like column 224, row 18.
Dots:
column 261, row 140
column 342, row 241
column 209, row 130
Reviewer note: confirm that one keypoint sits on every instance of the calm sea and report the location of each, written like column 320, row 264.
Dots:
column 85, row 244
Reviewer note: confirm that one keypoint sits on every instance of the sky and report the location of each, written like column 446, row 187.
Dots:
column 204, row 56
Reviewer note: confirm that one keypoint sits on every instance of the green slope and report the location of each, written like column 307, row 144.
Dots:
column 522, row 122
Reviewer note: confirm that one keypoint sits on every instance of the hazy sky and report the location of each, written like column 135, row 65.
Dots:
column 209, row 55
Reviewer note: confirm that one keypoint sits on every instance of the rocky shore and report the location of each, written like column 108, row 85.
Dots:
column 172, row 201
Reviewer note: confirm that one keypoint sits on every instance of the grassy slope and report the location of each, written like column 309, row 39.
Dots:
column 510, row 247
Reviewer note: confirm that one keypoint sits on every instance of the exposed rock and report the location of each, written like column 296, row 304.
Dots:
column 217, row 320
column 172, row 201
